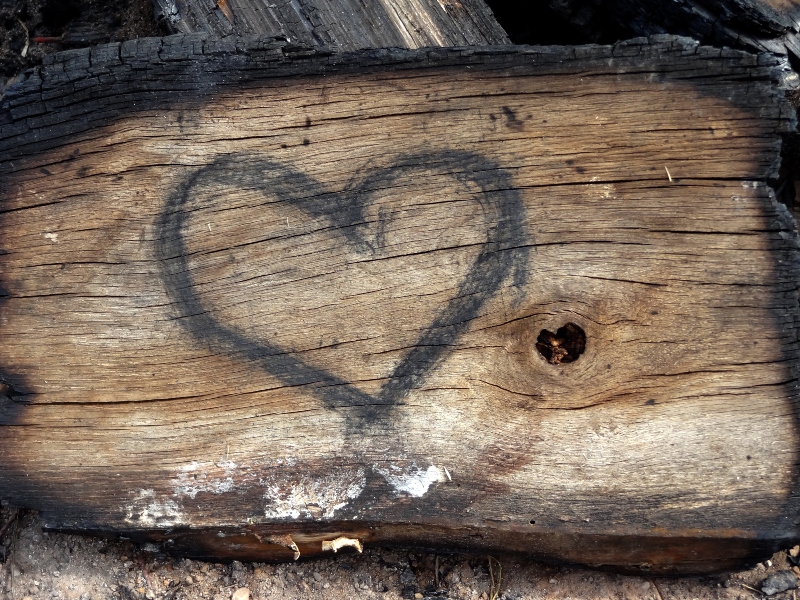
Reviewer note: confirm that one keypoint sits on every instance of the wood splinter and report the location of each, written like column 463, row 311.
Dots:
column 226, row 10
column 284, row 540
column 342, row 542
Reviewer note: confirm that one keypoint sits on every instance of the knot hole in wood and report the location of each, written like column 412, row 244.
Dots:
column 564, row 346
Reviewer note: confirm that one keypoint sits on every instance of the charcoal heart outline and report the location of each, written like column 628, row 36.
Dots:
column 504, row 254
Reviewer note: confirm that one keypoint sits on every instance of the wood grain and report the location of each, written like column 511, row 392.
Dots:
column 345, row 24
column 250, row 294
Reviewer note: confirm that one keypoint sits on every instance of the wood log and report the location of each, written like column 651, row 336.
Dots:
column 534, row 299
column 344, row 24
column 760, row 25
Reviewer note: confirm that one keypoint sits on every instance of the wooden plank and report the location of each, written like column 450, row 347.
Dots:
column 344, row 24
column 760, row 25
column 250, row 294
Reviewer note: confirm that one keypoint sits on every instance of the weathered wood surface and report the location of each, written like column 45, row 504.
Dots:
column 250, row 295
column 344, row 24
column 762, row 25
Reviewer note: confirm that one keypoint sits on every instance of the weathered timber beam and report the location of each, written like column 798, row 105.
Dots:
column 342, row 24
column 517, row 298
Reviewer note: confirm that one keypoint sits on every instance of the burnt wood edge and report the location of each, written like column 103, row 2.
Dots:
column 663, row 553
column 785, row 247
column 746, row 24
column 77, row 90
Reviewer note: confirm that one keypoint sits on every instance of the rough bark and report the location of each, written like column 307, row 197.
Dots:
column 345, row 24
column 528, row 299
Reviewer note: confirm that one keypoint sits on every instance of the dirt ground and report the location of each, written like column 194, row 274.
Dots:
column 32, row 28
column 36, row 564
column 60, row 566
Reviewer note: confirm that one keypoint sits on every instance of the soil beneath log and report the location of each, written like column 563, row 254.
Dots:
column 32, row 28
column 37, row 564
column 49, row 565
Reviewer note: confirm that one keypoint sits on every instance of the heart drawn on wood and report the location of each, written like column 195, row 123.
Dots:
column 502, row 254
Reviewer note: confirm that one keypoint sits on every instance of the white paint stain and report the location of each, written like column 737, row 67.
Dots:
column 149, row 510
column 318, row 498
column 287, row 493
column 53, row 237
column 412, row 481
column 214, row 478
